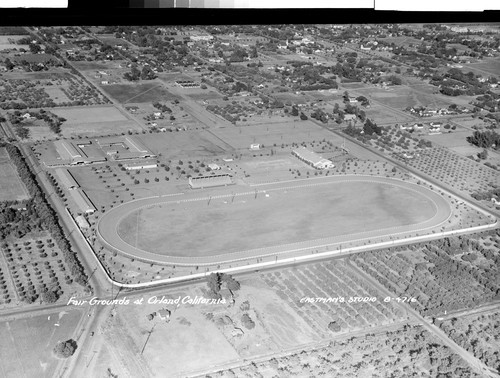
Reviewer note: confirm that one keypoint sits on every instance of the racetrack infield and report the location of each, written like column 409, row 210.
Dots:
column 238, row 223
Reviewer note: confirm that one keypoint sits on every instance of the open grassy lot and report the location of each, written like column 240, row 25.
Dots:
column 199, row 336
column 205, row 95
column 400, row 97
column 172, row 77
column 11, row 187
column 91, row 66
column 272, row 133
column 41, row 133
column 90, row 115
column 292, row 97
column 148, row 92
column 486, row 66
column 383, row 115
column 456, row 138
column 57, row 94
column 285, row 214
column 4, row 156
column 92, row 121
column 27, row 344
column 185, row 144
column 5, row 42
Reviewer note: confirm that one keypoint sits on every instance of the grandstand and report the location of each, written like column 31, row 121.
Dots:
column 222, row 179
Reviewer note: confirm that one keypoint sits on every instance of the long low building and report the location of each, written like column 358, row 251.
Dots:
column 136, row 167
column 66, row 179
column 312, row 158
column 84, row 203
column 66, row 150
column 210, row 181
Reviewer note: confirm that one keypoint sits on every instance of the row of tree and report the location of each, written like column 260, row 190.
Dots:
column 18, row 223
column 135, row 74
column 216, row 280
column 46, row 214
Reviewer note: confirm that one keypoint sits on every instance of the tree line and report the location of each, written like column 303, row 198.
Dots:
column 46, row 214
column 484, row 139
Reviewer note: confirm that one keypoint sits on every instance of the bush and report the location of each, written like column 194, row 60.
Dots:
column 334, row 327
column 65, row 349
column 247, row 321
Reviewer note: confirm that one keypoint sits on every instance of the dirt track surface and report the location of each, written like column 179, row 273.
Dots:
column 393, row 207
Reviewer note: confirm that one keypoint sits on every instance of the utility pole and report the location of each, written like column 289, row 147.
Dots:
column 88, row 279
column 149, row 335
column 91, row 358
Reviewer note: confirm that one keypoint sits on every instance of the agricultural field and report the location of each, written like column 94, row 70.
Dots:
column 445, row 275
column 456, row 142
column 407, row 351
column 395, row 141
column 139, row 93
column 455, row 171
column 28, row 352
column 478, row 333
column 31, row 265
column 304, row 287
column 47, row 90
column 236, row 111
column 11, row 186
